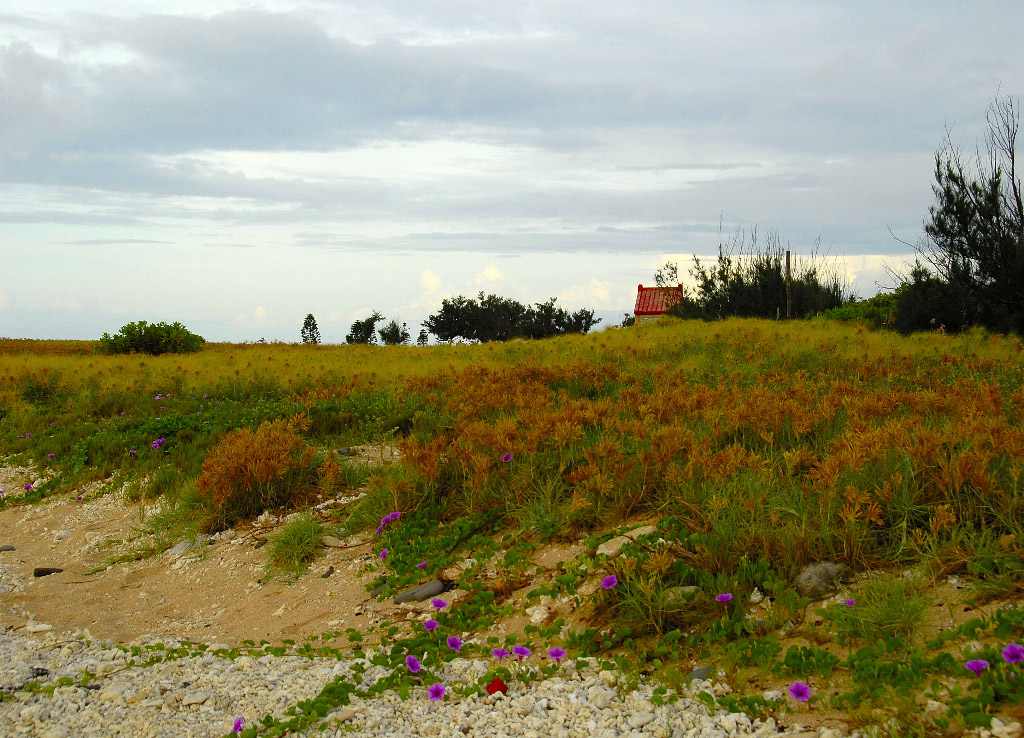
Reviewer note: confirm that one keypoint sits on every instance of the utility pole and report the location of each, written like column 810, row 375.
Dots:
column 789, row 292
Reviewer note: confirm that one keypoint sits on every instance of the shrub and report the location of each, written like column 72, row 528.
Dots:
column 879, row 311
column 248, row 471
column 151, row 338
column 294, row 547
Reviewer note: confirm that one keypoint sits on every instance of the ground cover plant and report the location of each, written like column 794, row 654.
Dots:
column 753, row 447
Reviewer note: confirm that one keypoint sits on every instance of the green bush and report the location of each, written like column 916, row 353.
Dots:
column 151, row 338
column 879, row 311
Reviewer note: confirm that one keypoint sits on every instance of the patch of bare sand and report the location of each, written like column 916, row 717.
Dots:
column 210, row 594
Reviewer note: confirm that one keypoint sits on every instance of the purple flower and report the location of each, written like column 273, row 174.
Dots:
column 28, row 487
column 79, row 498
column 438, row 604
column 976, row 665
column 1013, row 653
column 422, row 566
column 724, row 597
column 205, row 395
column 557, row 654
column 412, row 663
column 609, row 581
column 454, row 643
column 159, row 397
column 799, row 691
column 239, row 722
column 506, row 457
column 436, row 691
column 28, row 435
column 51, row 455
column 430, row 625
column 387, row 519
column 850, row 602
column 132, row 452
column 499, row 653
column 383, row 554
column 521, row 651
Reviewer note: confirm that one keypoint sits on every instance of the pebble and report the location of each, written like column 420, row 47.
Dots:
column 204, row 695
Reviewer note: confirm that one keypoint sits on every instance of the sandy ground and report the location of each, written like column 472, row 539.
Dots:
column 212, row 594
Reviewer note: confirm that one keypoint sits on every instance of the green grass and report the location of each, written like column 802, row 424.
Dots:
column 294, row 547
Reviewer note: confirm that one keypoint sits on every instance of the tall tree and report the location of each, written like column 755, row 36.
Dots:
column 975, row 231
column 363, row 331
column 310, row 332
column 393, row 334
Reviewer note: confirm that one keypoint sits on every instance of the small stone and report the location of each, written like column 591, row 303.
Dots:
column 820, row 580
column 824, row 732
column 344, row 714
column 771, row 695
column 756, row 598
column 62, row 534
column 538, row 614
column 7, row 547
column 38, row 627
column 641, row 719
column 999, row 729
column 45, row 571
column 194, row 698
column 330, row 570
column 332, row 542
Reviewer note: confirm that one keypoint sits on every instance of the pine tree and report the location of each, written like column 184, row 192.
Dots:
column 310, row 333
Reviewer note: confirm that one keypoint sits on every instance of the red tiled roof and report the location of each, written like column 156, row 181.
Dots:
column 655, row 300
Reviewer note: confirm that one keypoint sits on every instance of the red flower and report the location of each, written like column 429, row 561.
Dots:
column 497, row 686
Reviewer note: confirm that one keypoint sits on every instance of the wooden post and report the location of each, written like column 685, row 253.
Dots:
column 789, row 293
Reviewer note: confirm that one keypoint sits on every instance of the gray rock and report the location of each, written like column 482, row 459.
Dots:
column 332, row 542
column 189, row 545
column 701, row 672
column 820, row 580
column 7, row 547
column 420, row 593
column 45, row 571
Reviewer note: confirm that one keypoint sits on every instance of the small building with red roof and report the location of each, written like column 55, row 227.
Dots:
column 653, row 302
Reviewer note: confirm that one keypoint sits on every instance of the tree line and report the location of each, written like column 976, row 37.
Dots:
column 484, row 318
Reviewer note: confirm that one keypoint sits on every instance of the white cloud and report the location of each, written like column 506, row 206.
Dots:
column 490, row 274
column 431, row 282
column 5, row 300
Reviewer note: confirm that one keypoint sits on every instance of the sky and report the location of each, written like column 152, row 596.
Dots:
column 235, row 166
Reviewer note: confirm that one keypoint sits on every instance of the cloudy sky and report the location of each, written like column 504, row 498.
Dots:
column 237, row 165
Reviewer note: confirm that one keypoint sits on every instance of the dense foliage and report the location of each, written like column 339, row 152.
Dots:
column 394, row 334
column 364, row 331
column 749, row 280
column 975, row 235
column 151, row 338
column 495, row 318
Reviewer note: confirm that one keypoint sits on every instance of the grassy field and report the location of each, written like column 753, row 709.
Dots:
column 755, row 447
